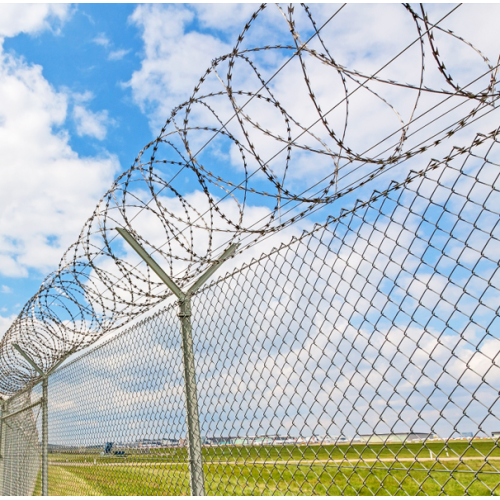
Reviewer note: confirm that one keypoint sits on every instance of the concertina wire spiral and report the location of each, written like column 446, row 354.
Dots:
column 97, row 289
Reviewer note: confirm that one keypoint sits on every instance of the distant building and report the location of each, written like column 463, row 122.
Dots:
column 333, row 439
column 495, row 435
column 394, row 437
column 169, row 442
column 149, row 443
column 219, row 441
column 273, row 440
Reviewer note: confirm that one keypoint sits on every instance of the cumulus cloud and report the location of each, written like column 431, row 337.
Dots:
column 90, row 123
column 175, row 58
column 30, row 18
column 47, row 190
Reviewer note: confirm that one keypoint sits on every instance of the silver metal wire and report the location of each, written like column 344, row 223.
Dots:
column 359, row 358
column 20, row 466
column 98, row 289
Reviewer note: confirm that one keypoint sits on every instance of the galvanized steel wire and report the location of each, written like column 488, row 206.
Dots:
column 351, row 360
column 380, row 322
column 96, row 290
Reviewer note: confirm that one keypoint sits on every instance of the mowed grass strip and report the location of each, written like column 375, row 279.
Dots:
column 273, row 479
column 391, row 451
column 121, row 480
column 301, row 480
column 453, row 450
column 64, row 482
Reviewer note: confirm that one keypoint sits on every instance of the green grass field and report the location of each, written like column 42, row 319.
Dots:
column 270, row 470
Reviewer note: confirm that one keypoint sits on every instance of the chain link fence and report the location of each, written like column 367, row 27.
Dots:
column 20, row 466
column 360, row 358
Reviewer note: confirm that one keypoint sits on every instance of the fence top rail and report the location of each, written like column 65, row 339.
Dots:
column 21, row 410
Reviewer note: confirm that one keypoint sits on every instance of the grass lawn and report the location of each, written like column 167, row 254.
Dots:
column 282, row 470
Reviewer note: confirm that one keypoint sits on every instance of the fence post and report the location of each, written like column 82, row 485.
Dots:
column 197, row 479
column 44, row 378
column 45, row 417
column 196, row 476
column 45, row 436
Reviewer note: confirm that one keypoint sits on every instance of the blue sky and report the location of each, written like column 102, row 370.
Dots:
column 91, row 84
column 75, row 56
column 95, row 50
column 84, row 88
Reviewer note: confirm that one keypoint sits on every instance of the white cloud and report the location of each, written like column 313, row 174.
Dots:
column 47, row 189
column 227, row 17
column 116, row 55
column 5, row 322
column 5, row 289
column 90, row 123
column 101, row 39
column 175, row 58
column 30, row 18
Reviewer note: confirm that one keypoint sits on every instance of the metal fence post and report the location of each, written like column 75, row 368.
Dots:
column 45, row 415
column 45, row 437
column 197, row 479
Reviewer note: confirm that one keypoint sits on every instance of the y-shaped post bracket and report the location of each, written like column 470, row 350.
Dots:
column 184, row 301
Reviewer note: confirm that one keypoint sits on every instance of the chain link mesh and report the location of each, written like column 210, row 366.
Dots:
column 20, row 444
column 356, row 360
column 360, row 358
column 300, row 130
